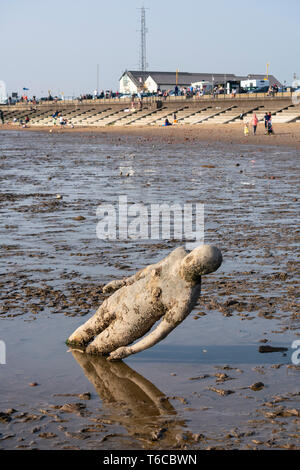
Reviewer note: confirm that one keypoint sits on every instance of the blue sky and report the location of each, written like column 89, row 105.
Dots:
column 56, row 45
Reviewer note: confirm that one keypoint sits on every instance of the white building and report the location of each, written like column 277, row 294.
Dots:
column 203, row 85
column 133, row 82
column 3, row 94
column 254, row 83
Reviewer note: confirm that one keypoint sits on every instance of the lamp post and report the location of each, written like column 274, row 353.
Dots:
column 267, row 76
column 97, row 88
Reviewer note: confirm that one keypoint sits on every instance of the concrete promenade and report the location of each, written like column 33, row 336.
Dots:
column 222, row 109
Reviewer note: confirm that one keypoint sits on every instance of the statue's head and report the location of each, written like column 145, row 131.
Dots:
column 204, row 259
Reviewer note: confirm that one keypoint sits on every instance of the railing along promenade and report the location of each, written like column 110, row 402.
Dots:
column 151, row 100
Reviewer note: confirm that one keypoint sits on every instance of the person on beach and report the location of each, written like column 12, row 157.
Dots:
column 62, row 121
column 270, row 127
column 55, row 116
column 266, row 118
column 254, row 123
column 268, row 122
column 167, row 122
column 246, row 129
column 1, row 116
column 26, row 121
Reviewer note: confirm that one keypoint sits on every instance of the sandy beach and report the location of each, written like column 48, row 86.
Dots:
column 286, row 135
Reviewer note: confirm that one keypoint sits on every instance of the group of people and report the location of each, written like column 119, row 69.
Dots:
column 167, row 123
column 188, row 92
column 20, row 121
column 254, row 122
column 62, row 121
column 268, row 123
column 273, row 90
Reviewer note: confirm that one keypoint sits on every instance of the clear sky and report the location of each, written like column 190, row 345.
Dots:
column 56, row 44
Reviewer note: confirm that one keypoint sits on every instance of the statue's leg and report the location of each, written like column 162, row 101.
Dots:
column 128, row 326
column 95, row 325
column 113, row 337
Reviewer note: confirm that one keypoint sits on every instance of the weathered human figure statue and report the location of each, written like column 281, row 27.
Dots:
column 167, row 290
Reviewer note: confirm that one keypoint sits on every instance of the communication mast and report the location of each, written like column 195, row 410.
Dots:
column 143, row 32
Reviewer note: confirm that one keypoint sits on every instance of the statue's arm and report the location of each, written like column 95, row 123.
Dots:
column 169, row 322
column 113, row 286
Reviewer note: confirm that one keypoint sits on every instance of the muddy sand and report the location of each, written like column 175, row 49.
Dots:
column 226, row 378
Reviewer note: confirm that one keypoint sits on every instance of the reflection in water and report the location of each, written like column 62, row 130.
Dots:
column 131, row 400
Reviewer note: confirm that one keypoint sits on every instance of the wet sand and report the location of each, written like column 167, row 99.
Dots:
column 286, row 135
column 208, row 384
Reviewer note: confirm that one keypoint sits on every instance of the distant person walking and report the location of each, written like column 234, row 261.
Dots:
column 1, row 116
column 246, row 129
column 268, row 122
column 266, row 118
column 270, row 126
column 254, row 123
column 62, row 121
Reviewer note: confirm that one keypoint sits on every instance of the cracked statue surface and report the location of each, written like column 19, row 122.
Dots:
column 166, row 291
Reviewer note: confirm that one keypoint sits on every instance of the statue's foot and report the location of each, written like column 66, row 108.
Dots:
column 97, row 348
column 76, row 344
column 80, row 337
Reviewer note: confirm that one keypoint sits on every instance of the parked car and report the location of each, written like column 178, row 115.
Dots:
column 145, row 94
column 172, row 93
column 50, row 98
column 263, row 89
